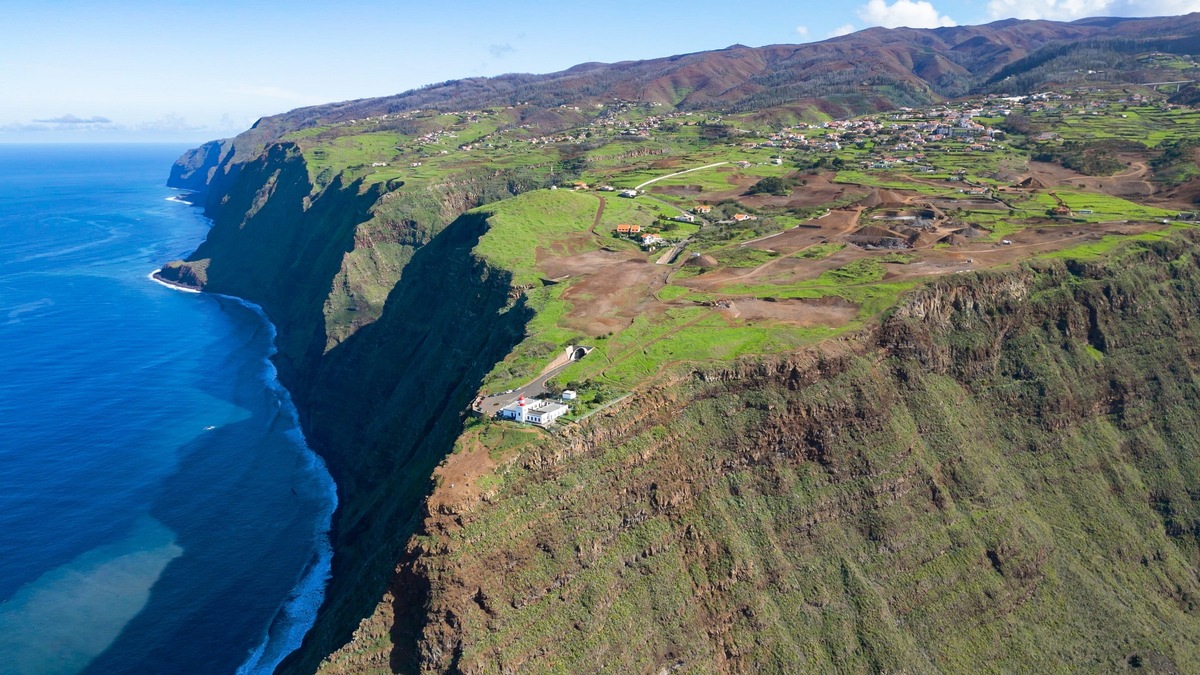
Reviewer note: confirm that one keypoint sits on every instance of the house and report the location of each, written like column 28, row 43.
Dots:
column 533, row 411
column 701, row 208
column 739, row 217
column 652, row 240
column 569, row 395
column 685, row 218
column 626, row 228
column 629, row 193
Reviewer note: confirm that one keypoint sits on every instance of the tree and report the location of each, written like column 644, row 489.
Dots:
column 771, row 185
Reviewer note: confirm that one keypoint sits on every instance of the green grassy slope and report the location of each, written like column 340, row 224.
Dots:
column 1004, row 476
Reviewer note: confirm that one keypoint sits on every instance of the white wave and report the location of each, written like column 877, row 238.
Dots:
column 175, row 287
column 299, row 612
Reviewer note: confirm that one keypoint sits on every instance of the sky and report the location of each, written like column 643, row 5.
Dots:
column 193, row 70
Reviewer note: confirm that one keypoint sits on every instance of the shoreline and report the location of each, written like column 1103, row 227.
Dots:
column 297, row 615
column 154, row 276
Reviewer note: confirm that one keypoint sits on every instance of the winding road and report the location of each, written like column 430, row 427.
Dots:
column 678, row 173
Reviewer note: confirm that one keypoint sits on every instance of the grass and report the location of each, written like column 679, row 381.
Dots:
column 820, row 251
column 669, row 293
column 558, row 220
column 518, row 227
column 1149, row 125
column 618, row 210
column 1107, row 243
column 1016, row 529
column 737, row 256
column 1106, row 207
column 760, row 505
column 545, row 338
column 685, row 335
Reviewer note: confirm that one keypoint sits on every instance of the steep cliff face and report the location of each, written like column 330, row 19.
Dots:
column 387, row 323
column 1003, row 473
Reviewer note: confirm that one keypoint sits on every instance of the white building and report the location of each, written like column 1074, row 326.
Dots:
column 569, row 395
column 534, row 411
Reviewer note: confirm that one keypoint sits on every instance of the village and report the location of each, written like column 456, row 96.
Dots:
column 677, row 235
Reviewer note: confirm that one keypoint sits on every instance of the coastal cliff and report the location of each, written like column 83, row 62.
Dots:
column 1001, row 472
column 384, row 333
column 976, row 477
column 788, row 446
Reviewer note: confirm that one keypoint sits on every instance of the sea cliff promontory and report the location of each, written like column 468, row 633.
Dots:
column 911, row 390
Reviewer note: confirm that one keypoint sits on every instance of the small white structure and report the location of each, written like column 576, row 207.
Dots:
column 534, row 411
column 569, row 395
column 629, row 193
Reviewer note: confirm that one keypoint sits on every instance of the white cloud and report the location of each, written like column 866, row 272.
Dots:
column 168, row 122
column 500, row 51
column 844, row 29
column 802, row 31
column 70, row 119
column 1067, row 10
column 910, row 13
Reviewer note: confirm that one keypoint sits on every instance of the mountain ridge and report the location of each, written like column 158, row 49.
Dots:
column 891, row 67
column 413, row 263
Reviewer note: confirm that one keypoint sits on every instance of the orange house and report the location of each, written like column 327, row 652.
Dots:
column 625, row 228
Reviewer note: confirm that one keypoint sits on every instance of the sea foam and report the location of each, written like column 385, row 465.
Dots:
column 153, row 276
column 299, row 612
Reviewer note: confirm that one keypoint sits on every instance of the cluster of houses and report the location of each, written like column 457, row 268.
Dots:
column 897, row 139
column 648, row 240
column 618, row 115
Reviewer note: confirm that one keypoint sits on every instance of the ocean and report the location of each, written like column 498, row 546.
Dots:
column 159, row 509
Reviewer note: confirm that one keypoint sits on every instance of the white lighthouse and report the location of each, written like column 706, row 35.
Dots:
column 533, row 411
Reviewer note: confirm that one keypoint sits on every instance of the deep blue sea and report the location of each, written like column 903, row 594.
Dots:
column 159, row 510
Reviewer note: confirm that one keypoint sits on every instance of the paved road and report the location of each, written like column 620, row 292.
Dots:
column 492, row 404
column 677, row 173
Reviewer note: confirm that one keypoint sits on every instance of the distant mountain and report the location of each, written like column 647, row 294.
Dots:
column 859, row 72
column 871, row 70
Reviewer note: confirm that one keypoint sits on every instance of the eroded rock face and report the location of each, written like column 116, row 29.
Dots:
column 1006, row 454
column 1000, row 472
column 190, row 274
